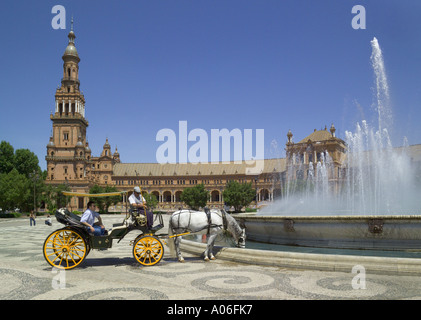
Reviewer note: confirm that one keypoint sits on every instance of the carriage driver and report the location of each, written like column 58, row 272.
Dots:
column 138, row 202
column 88, row 219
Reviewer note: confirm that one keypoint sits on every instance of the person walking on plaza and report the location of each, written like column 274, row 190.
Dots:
column 88, row 219
column 32, row 218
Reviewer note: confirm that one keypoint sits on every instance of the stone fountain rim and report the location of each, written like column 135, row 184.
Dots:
column 327, row 217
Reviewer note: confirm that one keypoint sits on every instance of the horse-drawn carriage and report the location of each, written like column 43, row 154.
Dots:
column 66, row 248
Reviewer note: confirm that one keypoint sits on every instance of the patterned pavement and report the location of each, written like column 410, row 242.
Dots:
column 114, row 274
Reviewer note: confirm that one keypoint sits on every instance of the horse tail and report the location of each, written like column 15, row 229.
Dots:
column 171, row 243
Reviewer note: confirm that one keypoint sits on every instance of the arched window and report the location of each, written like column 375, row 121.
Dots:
column 178, row 196
column 264, row 194
column 156, row 194
column 215, row 196
column 167, row 196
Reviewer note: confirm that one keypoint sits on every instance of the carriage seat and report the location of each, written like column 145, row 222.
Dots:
column 117, row 230
column 66, row 217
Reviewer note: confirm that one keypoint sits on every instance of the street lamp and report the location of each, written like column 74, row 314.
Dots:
column 256, row 178
column 66, row 187
column 34, row 176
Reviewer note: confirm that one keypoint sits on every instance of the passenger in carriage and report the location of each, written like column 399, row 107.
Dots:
column 138, row 202
column 88, row 219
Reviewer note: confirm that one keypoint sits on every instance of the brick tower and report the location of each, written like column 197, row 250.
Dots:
column 68, row 153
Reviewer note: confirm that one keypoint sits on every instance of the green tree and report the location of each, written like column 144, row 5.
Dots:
column 110, row 201
column 238, row 194
column 7, row 157
column 53, row 196
column 37, row 188
column 21, row 178
column 26, row 162
column 104, row 203
column 151, row 200
column 15, row 191
column 100, row 202
column 195, row 197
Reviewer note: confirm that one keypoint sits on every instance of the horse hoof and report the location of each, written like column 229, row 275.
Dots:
column 213, row 258
column 206, row 259
column 181, row 260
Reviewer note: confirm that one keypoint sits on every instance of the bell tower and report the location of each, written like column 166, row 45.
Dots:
column 68, row 154
column 69, row 99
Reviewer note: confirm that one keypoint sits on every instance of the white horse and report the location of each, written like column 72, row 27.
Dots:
column 200, row 222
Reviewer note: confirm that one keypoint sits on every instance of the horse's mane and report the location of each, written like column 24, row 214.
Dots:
column 233, row 223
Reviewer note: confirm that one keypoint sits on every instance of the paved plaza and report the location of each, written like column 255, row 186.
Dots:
column 114, row 274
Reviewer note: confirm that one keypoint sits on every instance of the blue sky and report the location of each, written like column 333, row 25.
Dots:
column 269, row 64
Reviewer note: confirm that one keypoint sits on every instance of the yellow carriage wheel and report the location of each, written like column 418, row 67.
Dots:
column 65, row 249
column 148, row 250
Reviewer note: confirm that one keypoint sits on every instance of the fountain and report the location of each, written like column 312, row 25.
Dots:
column 376, row 201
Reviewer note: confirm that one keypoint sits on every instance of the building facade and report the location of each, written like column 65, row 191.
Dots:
column 320, row 147
column 70, row 162
column 69, row 158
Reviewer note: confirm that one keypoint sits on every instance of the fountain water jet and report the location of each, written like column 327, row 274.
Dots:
column 378, row 204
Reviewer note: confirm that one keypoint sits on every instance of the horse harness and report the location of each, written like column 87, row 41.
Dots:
column 224, row 219
column 209, row 220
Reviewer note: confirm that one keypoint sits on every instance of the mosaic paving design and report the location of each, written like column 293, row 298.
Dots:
column 114, row 274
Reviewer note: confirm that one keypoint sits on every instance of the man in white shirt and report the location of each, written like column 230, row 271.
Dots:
column 138, row 202
column 88, row 219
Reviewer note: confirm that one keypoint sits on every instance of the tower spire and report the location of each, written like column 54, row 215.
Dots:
column 69, row 98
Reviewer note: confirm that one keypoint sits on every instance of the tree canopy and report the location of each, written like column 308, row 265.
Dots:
column 195, row 197
column 238, row 194
column 21, row 178
column 151, row 200
column 104, row 203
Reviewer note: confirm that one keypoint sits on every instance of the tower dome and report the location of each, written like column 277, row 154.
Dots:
column 87, row 149
column 79, row 143
column 71, row 51
column 106, row 144
column 116, row 155
column 51, row 143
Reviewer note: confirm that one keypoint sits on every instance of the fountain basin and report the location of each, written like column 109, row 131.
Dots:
column 384, row 232
column 310, row 261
